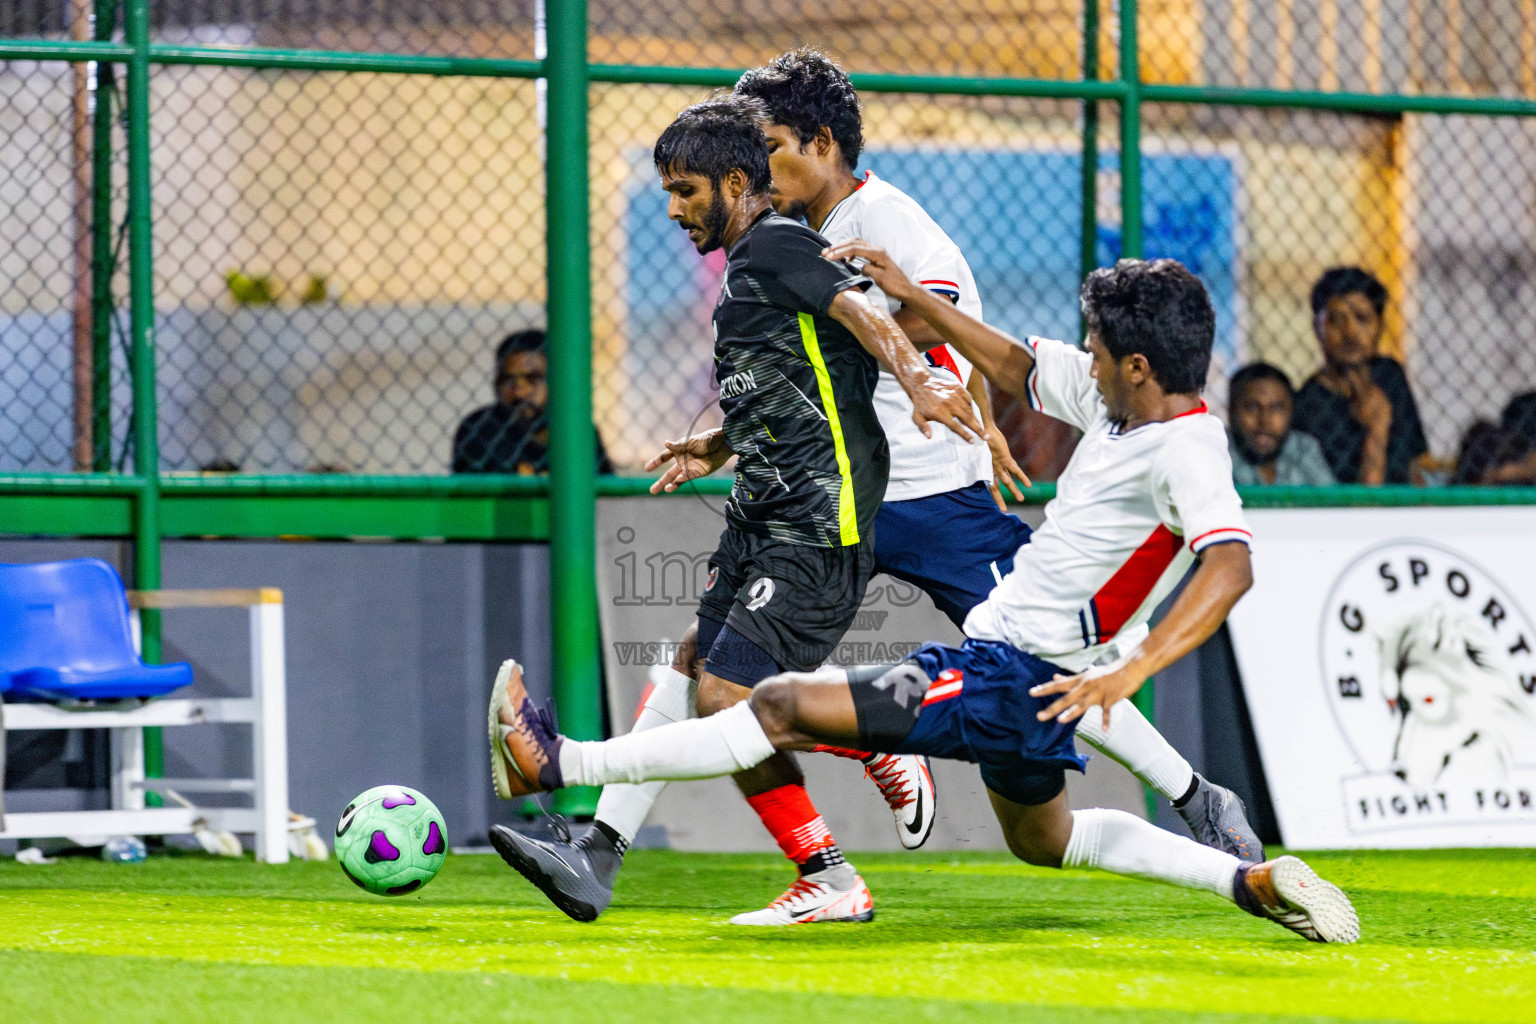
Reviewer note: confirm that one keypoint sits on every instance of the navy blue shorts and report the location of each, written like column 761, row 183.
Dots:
column 955, row 547
column 971, row 703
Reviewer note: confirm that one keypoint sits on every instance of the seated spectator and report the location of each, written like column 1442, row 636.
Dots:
column 1265, row 450
column 1359, row 406
column 1479, row 452
column 1514, row 462
column 512, row 436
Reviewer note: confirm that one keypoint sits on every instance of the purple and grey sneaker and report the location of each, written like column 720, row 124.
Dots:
column 525, row 747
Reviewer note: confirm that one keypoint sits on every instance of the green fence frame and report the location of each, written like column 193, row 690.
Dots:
column 148, row 506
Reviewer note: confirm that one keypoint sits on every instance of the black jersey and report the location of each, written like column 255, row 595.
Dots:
column 797, row 392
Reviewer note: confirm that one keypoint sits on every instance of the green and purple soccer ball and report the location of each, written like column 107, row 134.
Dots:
column 391, row 840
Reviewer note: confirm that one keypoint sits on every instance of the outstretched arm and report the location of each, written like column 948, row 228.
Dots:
column 933, row 400
column 1003, row 359
column 1224, row 575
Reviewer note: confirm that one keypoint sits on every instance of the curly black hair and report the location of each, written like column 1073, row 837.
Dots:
column 714, row 138
column 1158, row 309
column 805, row 90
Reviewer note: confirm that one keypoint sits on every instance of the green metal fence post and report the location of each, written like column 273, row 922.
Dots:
column 1130, row 134
column 141, row 311
column 1090, row 220
column 101, row 247
column 572, row 469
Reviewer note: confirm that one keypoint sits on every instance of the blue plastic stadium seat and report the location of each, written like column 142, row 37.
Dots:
column 64, row 635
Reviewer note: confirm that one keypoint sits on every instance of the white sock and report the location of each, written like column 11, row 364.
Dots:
column 699, row 748
column 1135, row 743
column 1125, row 845
column 623, row 806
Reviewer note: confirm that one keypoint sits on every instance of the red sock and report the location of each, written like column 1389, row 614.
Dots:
column 792, row 820
column 857, row 755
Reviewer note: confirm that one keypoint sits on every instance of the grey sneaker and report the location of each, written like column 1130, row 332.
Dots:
column 577, row 877
column 1219, row 820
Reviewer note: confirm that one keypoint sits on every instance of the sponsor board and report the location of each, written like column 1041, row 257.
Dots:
column 1389, row 662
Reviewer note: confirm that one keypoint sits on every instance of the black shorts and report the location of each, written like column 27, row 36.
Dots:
column 792, row 602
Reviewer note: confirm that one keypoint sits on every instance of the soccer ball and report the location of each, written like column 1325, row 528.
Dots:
column 391, row 840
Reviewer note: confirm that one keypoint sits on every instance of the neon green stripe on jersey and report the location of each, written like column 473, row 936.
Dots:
column 847, row 515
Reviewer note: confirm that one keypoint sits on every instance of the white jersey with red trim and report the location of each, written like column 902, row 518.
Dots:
column 883, row 215
column 1131, row 512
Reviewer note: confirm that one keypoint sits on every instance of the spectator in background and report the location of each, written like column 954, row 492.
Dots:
column 1479, row 450
column 1516, row 462
column 1359, row 406
column 512, row 436
column 1265, row 450
column 1504, row 453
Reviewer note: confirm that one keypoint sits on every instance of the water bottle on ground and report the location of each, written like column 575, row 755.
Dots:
column 124, row 850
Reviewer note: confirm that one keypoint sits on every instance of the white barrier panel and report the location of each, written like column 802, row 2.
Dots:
column 1388, row 657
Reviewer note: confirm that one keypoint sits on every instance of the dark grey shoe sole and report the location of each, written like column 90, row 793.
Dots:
column 508, row 844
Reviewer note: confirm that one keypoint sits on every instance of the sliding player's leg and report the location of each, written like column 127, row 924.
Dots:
column 973, row 703
column 1215, row 815
column 955, row 547
column 1048, row 834
column 792, row 711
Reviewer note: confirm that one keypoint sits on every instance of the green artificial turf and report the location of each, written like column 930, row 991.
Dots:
column 1448, row 936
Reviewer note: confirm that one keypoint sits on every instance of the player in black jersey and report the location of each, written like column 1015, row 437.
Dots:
column 796, row 343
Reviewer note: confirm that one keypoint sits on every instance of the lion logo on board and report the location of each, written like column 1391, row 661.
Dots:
column 1430, row 669
column 1457, row 700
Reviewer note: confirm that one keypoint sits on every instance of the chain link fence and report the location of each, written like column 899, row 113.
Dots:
column 454, row 28
column 998, row 38
column 55, row 415
column 337, row 258
column 338, row 255
column 1367, row 46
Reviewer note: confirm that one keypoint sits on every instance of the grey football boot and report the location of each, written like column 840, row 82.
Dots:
column 576, row 876
column 1219, row 820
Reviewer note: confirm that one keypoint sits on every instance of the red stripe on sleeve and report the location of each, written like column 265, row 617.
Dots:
column 939, row 356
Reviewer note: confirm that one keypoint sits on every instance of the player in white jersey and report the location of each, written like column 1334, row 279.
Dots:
column 878, row 212
column 1147, row 492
